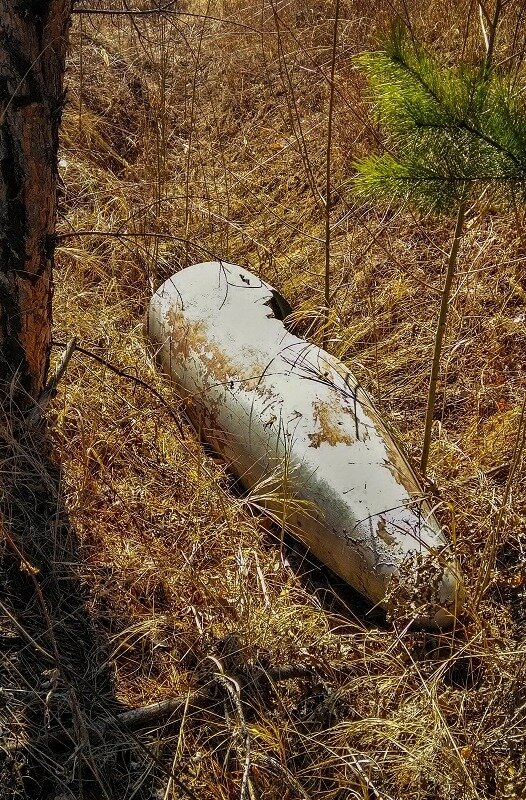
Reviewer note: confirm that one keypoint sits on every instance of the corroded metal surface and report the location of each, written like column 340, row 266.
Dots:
column 274, row 405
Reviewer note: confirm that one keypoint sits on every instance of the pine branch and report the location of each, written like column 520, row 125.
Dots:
column 406, row 111
column 448, row 130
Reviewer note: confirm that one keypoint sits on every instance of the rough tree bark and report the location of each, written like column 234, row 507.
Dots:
column 33, row 36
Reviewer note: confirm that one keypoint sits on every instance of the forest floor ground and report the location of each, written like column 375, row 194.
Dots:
column 201, row 133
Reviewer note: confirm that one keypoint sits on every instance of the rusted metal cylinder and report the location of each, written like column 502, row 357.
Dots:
column 286, row 413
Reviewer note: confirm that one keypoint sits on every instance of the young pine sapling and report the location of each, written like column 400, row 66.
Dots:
column 451, row 134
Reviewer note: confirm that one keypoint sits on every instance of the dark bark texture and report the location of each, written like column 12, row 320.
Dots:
column 33, row 37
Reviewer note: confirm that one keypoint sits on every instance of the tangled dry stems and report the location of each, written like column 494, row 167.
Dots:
column 192, row 138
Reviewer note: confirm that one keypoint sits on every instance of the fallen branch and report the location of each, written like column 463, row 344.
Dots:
column 153, row 715
column 196, row 703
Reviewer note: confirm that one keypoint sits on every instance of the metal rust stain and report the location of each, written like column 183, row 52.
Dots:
column 384, row 534
column 193, row 337
column 330, row 431
column 188, row 337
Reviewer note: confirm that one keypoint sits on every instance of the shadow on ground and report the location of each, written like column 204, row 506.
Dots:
column 346, row 608
column 60, row 736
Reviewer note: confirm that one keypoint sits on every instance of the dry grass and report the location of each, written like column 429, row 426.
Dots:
column 191, row 138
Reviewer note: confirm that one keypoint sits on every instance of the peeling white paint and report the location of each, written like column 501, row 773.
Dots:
column 273, row 404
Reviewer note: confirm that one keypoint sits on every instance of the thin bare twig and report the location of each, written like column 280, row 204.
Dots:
column 233, row 689
column 123, row 374
column 167, row 10
column 328, row 169
column 440, row 331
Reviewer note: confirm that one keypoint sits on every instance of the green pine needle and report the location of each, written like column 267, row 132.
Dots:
column 448, row 131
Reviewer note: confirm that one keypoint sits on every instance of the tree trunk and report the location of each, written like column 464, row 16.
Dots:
column 33, row 36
